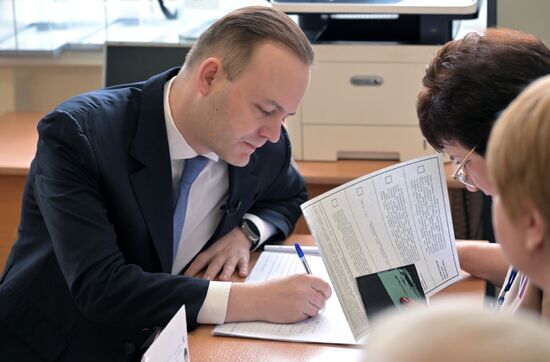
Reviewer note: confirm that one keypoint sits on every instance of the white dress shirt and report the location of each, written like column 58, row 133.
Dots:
column 204, row 212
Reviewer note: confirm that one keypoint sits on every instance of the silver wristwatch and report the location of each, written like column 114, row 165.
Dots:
column 251, row 231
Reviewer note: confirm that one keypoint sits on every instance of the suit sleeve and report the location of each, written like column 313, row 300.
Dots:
column 104, row 287
column 281, row 200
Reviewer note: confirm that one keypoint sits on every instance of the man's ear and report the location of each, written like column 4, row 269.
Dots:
column 535, row 229
column 210, row 70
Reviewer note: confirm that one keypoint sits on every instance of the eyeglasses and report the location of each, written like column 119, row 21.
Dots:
column 460, row 175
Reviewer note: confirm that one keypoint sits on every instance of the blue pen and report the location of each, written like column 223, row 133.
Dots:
column 302, row 257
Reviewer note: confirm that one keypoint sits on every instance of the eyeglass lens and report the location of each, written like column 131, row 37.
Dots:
column 460, row 175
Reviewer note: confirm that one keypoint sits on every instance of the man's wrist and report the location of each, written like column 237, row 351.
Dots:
column 251, row 232
column 243, row 303
column 214, row 307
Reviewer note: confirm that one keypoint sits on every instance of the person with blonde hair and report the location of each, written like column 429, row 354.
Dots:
column 519, row 163
column 456, row 330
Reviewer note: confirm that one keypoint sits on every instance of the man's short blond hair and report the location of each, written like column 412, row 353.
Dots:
column 519, row 152
column 234, row 38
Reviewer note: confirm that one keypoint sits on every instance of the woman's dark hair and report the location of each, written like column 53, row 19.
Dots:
column 471, row 80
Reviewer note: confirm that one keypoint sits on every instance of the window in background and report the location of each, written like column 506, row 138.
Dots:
column 52, row 26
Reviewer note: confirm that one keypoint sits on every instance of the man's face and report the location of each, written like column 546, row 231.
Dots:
column 244, row 114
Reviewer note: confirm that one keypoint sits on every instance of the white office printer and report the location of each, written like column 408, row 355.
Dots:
column 370, row 60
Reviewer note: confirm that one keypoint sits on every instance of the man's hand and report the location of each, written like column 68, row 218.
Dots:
column 227, row 253
column 282, row 300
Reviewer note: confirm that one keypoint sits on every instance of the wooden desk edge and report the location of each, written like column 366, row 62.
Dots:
column 335, row 173
column 14, row 171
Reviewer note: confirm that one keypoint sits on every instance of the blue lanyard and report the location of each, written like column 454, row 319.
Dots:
column 507, row 287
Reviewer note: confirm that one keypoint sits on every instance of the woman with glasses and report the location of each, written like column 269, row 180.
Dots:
column 467, row 85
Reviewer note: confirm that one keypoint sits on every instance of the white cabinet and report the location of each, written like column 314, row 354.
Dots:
column 361, row 103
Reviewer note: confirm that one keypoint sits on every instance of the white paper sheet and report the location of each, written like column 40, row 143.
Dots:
column 330, row 326
column 171, row 343
column 397, row 216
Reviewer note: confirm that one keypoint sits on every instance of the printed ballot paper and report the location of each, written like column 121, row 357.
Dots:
column 393, row 217
column 330, row 326
column 388, row 219
column 171, row 344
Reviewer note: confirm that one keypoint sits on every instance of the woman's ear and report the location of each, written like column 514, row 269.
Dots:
column 210, row 70
column 535, row 229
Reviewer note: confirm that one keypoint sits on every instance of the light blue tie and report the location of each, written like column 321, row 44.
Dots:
column 191, row 171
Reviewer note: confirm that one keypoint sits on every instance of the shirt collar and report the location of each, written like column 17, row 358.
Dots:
column 178, row 146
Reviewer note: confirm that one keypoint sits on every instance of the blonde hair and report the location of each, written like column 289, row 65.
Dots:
column 234, row 38
column 519, row 152
column 457, row 330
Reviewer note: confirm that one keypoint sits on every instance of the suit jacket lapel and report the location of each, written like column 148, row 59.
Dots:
column 152, row 184
column 242, row 183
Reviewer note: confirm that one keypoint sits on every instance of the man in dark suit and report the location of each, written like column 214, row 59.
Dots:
column 99, row 263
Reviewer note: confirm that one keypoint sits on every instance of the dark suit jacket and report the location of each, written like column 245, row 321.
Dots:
column 89, row 276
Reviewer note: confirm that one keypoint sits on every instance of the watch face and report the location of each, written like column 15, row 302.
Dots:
column 250, row 230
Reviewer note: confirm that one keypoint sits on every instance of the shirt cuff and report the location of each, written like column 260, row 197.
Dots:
column 214, row 308
column 266, row 229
